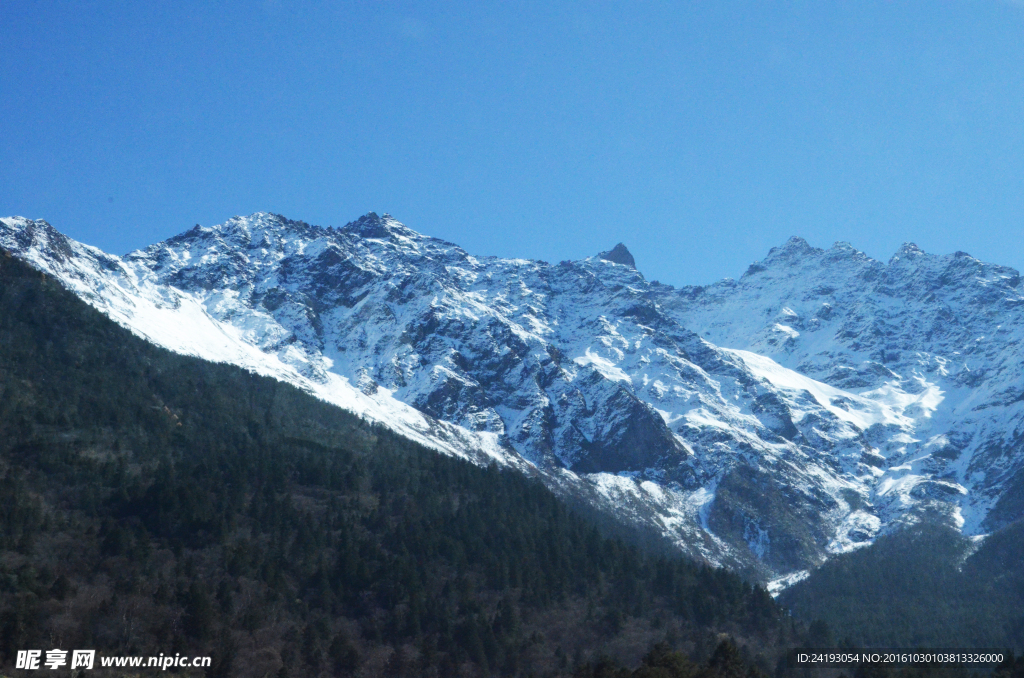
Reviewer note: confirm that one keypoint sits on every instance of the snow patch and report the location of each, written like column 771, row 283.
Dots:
column 777, row 586
column 607, row 368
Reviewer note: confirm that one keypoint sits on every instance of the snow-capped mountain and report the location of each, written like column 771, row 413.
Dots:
column 764, row 423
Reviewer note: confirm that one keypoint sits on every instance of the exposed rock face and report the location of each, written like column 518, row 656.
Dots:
column 619, row 255
column 764, row 423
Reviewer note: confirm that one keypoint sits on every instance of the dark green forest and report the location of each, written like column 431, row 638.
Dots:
column 926, row 586
column 155, row 503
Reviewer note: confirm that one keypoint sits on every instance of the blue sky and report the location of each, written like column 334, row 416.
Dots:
column 701, row 134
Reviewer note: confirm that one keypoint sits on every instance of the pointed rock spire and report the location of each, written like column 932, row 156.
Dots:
column 619, row 255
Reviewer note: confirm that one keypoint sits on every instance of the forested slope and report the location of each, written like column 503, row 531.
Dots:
column 926, row 586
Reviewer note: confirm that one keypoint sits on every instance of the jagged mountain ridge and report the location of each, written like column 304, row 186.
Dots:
column 583, row 372
column 944, row 329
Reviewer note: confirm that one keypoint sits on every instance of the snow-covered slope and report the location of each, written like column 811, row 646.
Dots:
column 180, row 322
column 757, row 441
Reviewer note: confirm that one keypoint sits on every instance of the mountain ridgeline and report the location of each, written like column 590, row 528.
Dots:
column 766, row 424
column 157, row 503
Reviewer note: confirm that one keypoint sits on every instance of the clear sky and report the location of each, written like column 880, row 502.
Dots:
column 701, row 134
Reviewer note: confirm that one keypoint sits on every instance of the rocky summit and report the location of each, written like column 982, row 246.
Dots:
column 764, row 423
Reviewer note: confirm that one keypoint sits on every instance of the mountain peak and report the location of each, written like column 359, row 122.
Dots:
column 795, row 245
column 260, row 229
column 618, row 255
column 19, row 234
column 794, row 249
column 907, row 251
column 372, row 225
